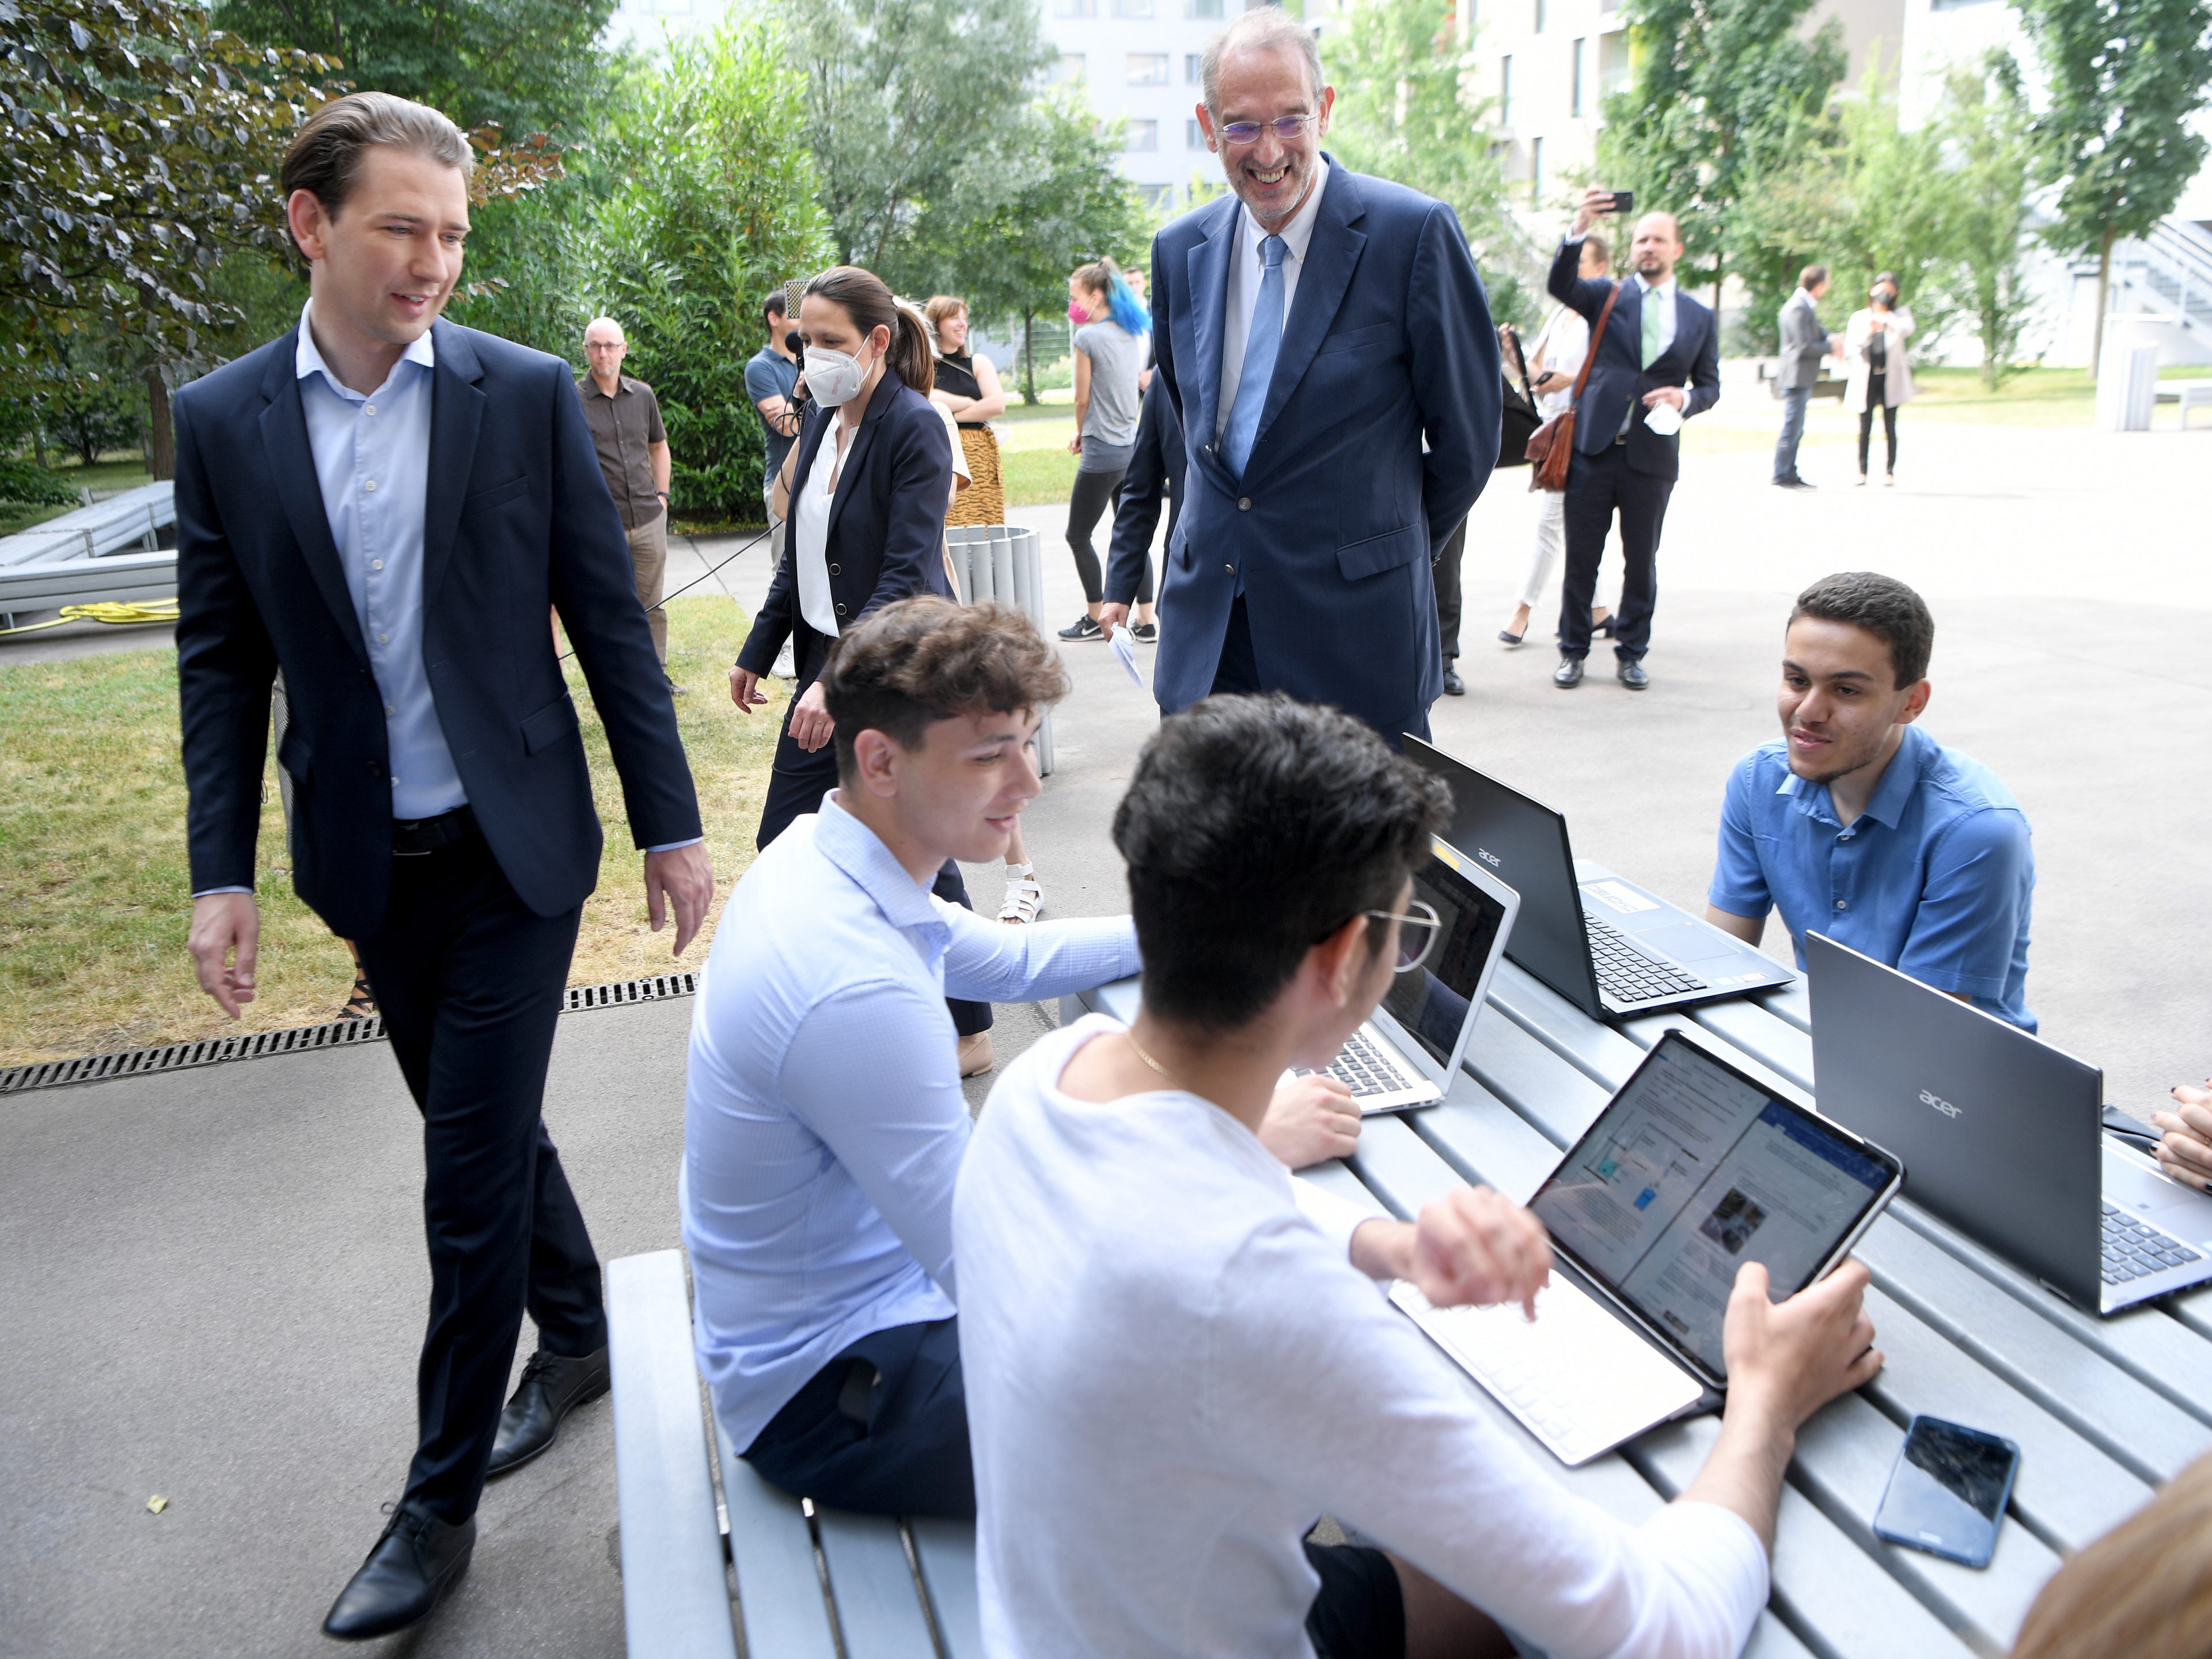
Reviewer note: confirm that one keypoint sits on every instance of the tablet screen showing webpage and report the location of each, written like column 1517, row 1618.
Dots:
column 1690, row 1173
column 1430, row 1002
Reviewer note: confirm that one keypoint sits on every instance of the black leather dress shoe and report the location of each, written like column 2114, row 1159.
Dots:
column 1631, row 674
column 1454, row 686
column 417, row 1558
column 1568, row 674
column 550, row 1388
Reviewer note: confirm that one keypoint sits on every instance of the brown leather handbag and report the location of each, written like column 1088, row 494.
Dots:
column 1552, row 445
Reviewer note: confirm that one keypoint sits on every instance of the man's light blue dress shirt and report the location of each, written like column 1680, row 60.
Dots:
column 1935, row 878
column 825, row 1121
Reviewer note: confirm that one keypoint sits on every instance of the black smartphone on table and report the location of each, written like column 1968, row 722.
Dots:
column 1947, row 1492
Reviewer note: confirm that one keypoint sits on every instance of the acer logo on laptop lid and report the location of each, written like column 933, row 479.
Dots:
column 1489, row 857
column 1939, row 1103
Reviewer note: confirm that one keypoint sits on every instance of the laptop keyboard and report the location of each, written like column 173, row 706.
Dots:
column 1626, row 973
column 2133, row 1250
column 1580, row 1380
column 1362, row 1067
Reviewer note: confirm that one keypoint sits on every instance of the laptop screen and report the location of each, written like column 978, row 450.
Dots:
column 1432, row 1002
column 1695, row 1170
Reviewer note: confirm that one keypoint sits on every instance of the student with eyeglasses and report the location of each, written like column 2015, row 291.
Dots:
column 1314, row 327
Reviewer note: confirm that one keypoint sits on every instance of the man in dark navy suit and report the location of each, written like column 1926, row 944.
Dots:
column 1659, row 363
column 384, row 505
column 1313, row 328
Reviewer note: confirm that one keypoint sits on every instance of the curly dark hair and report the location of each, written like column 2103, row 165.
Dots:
column 1254, row 828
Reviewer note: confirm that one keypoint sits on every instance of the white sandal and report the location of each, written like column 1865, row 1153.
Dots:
column 1024, row 898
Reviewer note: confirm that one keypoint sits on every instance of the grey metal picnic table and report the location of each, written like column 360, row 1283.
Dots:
column 2103, row 1410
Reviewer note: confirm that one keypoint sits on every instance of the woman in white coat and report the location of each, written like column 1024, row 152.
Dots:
column 1879, row 367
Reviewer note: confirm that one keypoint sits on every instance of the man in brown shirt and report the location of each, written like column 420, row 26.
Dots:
column 625, row 420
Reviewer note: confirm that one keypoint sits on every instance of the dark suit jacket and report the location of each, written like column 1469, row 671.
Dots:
column 1619, row 378
column 517, row 519
column 1339, row 510
column 1156, row 469
column 886, row 521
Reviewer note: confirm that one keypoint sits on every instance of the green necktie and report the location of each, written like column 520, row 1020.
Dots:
column 1652, row 303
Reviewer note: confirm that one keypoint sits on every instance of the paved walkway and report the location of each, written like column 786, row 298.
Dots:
column 216, row 1281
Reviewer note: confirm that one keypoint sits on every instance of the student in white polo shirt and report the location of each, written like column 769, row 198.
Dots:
column 825, row 1121
column 1174, row 1368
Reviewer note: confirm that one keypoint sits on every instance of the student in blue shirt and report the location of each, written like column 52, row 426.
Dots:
column 1858, row 824
column 824, row 1123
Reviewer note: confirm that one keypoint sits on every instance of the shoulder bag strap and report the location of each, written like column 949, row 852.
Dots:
column 1597, row 334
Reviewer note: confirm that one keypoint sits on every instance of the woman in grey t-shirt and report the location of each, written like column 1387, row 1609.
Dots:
column 1111, row 336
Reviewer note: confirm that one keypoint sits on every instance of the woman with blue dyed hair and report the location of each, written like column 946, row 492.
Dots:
column 1112, row 338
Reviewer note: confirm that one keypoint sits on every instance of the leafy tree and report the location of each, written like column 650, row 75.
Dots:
column 88, row 399
column 715, row 206
column 527, row 65
column 1718, row 90
column 1026, row 210
column 898, row 95
column 1987, row 136
column 2124, row 78
column 140, row 146
column 1403, row 114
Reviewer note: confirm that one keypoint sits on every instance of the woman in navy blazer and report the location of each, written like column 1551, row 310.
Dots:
column 879, row 466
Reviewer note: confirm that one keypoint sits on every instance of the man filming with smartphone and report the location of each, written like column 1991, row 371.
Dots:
column 1655, row 361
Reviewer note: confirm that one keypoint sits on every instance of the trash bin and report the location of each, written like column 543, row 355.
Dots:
column 999, row 563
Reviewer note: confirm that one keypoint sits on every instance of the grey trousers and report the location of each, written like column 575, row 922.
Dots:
column 648, row 560
column 1794, row 401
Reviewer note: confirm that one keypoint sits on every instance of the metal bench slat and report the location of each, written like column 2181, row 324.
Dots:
column 676, row 1601
column 946, row 1550
column 1529, row 1075
column 1598, row 1053
column 1792, row 1003
column 1486, row 1140
column 1853, row 1448
column 1764, row 1035
column 878, row 1604
column 779, row 1588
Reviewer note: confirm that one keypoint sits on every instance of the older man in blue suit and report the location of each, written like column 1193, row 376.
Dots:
column 1314, row 329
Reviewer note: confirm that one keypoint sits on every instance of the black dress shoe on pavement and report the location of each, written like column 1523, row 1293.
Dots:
column 1631, row 675
column 416, row 1560
column 1454, row 686
column 1568, row 674
column 550, row 1388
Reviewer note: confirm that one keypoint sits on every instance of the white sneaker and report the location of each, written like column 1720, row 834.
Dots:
column 1024, row 898
column 786, row 665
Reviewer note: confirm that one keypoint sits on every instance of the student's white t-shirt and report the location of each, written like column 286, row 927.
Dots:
column 1172, row 1372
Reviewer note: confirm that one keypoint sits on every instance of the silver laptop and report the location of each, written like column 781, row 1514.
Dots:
column 2002, row 1133
column 1694, row 1169
column 1605, row 945
column 1408, row 1051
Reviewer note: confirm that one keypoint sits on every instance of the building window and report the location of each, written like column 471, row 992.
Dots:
column 1535, row 173
column 1191, row 76
column 1579, row 94
column 1542, row 10
column 1505, row 92
column 1193, row 136
column 1075, row 8
column 1133, row 7
column 1156, row 196
column 1146, row 69
column 1069, row 68
column 1612, row 62
column 1201, row 7
column 1141, row 135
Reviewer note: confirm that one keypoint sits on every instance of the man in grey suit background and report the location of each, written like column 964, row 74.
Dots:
column 1804, row 343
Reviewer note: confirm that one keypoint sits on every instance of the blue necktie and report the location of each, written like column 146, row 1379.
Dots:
column 1261, row 344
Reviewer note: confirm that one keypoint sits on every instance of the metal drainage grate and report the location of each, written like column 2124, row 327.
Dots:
column 207, row 1051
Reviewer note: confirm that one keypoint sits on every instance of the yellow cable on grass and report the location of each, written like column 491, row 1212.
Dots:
column 108, row 610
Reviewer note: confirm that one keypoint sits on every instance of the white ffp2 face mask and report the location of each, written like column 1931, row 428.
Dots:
column 833, row 377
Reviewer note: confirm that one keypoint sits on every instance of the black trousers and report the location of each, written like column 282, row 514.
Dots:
column 882, row 1429
column 1878, row 398
column 795, row 787
column 470, row 980
column 1446, row 572
column 1093, row 493
column 1598, row 486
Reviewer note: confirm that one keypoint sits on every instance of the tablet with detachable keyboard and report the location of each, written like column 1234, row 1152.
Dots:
column 1406, row 1054
column 1692, row 1169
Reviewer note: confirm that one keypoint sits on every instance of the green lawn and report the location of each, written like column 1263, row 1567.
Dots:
column 119, row 473
column 93, row 887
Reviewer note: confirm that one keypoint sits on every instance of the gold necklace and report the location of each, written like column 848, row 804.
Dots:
column 1139, row 1048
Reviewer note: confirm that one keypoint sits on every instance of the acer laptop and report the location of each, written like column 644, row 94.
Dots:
column 1408, row 1050
column 1612, row 948
column 2003, row 1135
column 1692, row 1169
